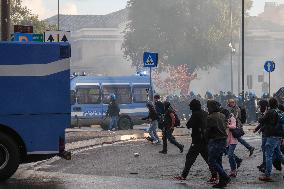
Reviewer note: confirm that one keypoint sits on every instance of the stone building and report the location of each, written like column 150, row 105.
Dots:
column 96, row 42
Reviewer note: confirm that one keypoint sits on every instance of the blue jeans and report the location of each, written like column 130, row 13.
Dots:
column 232, row 157
column 153, row 130
column 272, row 147
column 263, row 142
column 113, row 122
column 243, row 142
column 216, row 149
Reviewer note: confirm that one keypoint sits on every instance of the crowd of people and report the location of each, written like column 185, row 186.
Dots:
column 216, row 131
column 250, row 103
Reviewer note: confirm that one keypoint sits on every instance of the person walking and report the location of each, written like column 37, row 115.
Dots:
column 199, row 145
column 113, row 112
column 231, row 142
column 217, row 136
column 168, row 129
column 273, row 138
column 236, row 111
column 153, row 119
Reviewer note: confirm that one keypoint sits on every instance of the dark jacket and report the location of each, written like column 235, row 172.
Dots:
column 198, row 124
column 169, row 119
column 113, row 109
column 270, row 121
column 153, row 115
column 216, row 122
column 160, row 108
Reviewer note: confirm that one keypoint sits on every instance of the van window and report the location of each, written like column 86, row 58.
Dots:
column 140, row 94
column 88, row 95
column 122, row 93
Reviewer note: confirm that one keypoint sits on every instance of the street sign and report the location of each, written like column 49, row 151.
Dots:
column 27, row 37
column 269, row 66
column 57, row 36
column 23, row 29
column 38, row 37
column 150, row 59
column 23, row 37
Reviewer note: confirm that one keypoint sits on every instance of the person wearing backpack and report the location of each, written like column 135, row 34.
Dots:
column 199, row 145
column 168, row 129
column 234, row 109
column 273, row 130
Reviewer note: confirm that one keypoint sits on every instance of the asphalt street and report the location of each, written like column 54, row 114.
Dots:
column 115, row 166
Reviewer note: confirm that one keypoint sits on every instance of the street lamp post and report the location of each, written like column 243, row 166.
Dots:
column 5, row 20
column 231, row 46
column 58, row 16
column 243, row 50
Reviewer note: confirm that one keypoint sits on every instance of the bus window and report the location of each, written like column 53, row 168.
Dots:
column 140, row 94
column 73, row 97
column 88, row 95
column 122, row 93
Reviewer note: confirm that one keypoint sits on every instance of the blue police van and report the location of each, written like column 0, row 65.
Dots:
column 90, row 98
column 34, row 102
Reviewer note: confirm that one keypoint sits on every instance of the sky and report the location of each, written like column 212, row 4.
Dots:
column 47, row 8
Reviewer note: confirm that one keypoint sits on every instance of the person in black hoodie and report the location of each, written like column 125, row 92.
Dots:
column 217, row 136
column 199, row 145
column 168, row 129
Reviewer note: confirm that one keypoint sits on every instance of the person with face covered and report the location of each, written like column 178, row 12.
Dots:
column 199, row 145
column 217, row 136
column 168, row 129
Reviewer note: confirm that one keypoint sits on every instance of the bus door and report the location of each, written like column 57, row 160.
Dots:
column 123, row 95
column 89, row 102
column 140, row 98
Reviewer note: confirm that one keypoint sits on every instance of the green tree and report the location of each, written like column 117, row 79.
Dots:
column 196, row 33
column 21, row 15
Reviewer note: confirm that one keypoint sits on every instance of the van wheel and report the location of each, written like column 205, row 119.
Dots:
column 125, row 123
column 9, row 157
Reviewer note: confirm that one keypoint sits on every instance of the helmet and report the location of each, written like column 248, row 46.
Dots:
column 112, row 96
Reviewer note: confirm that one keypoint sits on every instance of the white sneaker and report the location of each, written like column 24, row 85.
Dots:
column 155, row 142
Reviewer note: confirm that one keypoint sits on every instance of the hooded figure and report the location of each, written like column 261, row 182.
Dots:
column 198, row 124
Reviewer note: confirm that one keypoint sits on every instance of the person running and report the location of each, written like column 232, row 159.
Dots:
column 273, row 138
column 234, row 109
column 168, row 129
column 153, row 118
column 217, row 141
column 199, row 145
column 160, row 108
column 113, row 112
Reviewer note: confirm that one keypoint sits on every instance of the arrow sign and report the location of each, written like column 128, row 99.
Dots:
column 50, row 38
column 64, row 38
column 269, row 66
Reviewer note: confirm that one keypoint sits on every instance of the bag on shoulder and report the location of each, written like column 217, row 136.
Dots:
column 237, row 132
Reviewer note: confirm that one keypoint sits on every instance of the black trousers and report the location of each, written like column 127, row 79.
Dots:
column 193, row 152
column 168, row 135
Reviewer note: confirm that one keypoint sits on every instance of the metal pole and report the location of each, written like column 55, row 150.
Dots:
column 269, row 84
column 151, row 87
column 231, row 30
column 5, row 20
column 239, row 64
column 243, row 50
column 58, row 16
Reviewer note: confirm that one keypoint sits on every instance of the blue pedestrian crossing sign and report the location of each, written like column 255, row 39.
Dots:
column 150, row 59
column 269, row 66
